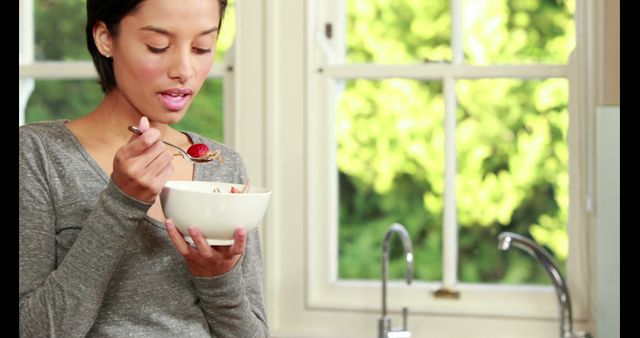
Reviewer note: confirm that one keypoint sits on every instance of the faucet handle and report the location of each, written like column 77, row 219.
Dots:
column 405, row 314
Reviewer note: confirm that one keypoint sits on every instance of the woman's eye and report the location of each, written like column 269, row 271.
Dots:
column 156, row 50
column 202, row 50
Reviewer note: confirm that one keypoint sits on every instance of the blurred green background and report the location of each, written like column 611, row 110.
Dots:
column 511, row 133
column 511, row 139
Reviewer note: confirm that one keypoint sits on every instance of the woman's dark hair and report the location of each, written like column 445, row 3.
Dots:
column 111, row 12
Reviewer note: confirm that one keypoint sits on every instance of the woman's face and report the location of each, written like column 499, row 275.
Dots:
column 163, row 53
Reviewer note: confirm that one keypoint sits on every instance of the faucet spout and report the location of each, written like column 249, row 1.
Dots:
column 385, row 321
column 507, row 239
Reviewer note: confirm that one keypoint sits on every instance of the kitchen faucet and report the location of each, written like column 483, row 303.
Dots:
column 384, row 323
column 506, row 239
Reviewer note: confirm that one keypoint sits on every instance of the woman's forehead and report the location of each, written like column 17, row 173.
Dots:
column 174, row 15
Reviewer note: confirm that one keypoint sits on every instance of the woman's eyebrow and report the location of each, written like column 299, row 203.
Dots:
column 166, row 32
column 209, row 31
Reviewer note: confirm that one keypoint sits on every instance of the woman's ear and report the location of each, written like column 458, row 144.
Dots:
column 102, row 39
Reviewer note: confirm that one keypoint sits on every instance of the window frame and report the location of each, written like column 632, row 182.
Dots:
column 324, row 283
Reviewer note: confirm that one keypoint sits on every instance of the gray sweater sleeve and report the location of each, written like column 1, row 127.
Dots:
column 232, row 302
column 64, row 301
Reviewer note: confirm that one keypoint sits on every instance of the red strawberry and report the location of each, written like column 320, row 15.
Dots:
column 198, row 150
column 235, row 190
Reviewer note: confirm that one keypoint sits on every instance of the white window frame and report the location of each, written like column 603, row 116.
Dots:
column 327, row 289
column 321, row 305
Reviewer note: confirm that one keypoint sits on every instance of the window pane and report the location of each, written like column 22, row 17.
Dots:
column 62, row 99
column 60, row 24
column 512, row 176
column 68, row 99
column 59, row 30
column 395, row 32
column 390, row 157
column 518, row 31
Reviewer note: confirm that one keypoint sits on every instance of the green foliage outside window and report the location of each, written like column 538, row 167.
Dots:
column 511, row 139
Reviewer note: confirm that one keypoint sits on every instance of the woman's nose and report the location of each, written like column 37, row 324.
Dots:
column 181, row 67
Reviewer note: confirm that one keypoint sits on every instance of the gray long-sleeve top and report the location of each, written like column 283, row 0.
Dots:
column 93, row 264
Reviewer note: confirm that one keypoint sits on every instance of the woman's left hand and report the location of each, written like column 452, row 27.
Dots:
column 205, row 260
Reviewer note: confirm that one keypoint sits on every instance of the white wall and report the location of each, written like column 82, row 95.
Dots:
column 608, row 222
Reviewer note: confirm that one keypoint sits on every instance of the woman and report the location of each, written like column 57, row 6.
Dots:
column 95, row 256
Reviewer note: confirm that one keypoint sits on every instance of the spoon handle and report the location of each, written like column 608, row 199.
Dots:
column 137, row 131
column 134, row 130
column 245, row 189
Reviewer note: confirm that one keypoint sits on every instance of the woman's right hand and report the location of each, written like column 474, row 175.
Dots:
column 143, row 165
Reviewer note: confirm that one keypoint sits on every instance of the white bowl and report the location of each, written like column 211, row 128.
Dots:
column 216, row 214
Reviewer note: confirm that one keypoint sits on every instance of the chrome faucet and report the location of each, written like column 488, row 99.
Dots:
column 506, row 239
column 384, row 323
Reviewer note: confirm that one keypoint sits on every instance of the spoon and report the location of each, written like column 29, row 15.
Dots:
column 184, row 154
column 245, row 189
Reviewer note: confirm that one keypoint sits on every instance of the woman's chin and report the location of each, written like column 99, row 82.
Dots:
column 171, row 117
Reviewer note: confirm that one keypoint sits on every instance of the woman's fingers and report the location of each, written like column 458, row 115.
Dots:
column 204, row 259
column 240, row 239
column 143, row 177
column 141, row 144
column 143, row 124
column 176, row 238
column 143, row 165
column 135, row 163
column 158, row 170
column 201, row 242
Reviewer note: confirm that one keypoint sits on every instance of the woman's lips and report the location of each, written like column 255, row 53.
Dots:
column 175, row 99
column 174, row 102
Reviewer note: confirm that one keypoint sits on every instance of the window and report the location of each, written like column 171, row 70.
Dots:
column 58, row 79
column 437, row 115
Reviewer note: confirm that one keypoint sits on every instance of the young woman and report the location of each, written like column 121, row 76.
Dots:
column 97, row 257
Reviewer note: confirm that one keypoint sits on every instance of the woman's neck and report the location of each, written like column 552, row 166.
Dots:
column 108, row 123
